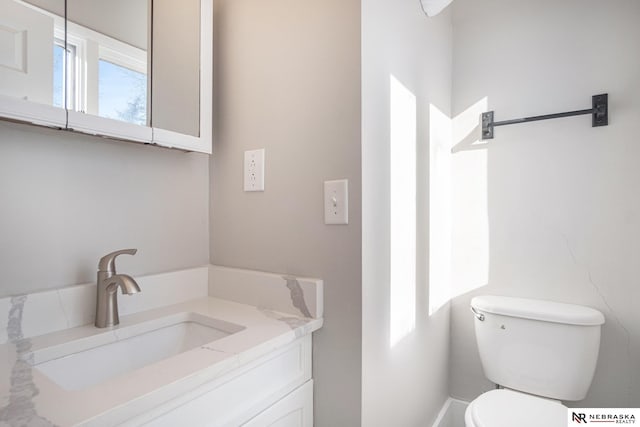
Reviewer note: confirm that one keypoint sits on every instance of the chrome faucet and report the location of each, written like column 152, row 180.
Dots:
column 108, row 284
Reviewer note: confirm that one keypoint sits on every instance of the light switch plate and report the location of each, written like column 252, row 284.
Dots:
column 254, row 170
column 336, row 202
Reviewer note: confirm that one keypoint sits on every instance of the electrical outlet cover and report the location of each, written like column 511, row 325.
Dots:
column 254, row 170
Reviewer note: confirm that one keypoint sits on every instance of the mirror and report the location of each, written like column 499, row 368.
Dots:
column 136, row 70
column 176, row 66
column 107, row 44
column 32, row 66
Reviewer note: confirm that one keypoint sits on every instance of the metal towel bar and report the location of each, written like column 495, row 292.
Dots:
column 599, row 111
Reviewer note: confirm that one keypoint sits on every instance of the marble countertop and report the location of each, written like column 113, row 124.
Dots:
column 28, row 397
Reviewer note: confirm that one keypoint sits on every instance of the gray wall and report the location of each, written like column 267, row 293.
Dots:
column 287, row 79
column 562, row 198
column 406, row 383
column 124, row 20
column 67, row 199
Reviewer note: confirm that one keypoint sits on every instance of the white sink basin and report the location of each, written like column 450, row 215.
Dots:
column 78, row 364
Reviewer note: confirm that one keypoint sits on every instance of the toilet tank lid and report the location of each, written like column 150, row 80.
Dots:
column 534, row 309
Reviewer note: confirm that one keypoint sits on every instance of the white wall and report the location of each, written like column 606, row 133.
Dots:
column 68, row 199
column 406, row 72
column 560, row 198
column 287, row 79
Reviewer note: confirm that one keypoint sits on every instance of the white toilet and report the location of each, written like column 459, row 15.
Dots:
column 541, row 352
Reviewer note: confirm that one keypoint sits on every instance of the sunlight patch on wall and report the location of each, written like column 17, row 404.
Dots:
column 458, row 205
column 440, row 233
column 470, row 242
column 403, row 211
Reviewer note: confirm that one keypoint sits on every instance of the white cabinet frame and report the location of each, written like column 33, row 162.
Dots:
column 45, row 115
column 31, row 112
column 204, row 142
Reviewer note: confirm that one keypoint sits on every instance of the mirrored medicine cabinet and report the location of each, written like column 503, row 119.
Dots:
column 136, row 70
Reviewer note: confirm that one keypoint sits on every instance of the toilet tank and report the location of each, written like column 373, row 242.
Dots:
column 539, row 347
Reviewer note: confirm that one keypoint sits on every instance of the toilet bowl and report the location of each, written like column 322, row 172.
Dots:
column 509, row 408
column 540, row 352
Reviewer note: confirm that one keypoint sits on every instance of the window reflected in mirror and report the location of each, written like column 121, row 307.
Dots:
column 122, row 93
column 58, row 74
column 107, row 49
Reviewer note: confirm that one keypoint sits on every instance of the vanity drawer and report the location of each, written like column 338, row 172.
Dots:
column 293, row 410
column 240, row 395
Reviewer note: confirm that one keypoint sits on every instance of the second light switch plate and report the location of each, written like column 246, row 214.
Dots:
column 254, row 170
column 336, row 202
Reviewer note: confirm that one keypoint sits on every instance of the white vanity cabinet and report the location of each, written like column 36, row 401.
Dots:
column 274, row 390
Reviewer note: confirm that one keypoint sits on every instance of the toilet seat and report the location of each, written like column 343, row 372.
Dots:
column 509, row 408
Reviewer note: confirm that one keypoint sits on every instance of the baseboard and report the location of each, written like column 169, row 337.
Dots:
column 451, row 414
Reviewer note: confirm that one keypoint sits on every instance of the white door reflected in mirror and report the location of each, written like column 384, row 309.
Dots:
column 32, row 51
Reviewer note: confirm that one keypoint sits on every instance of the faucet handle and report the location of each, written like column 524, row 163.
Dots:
column 108, row 262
